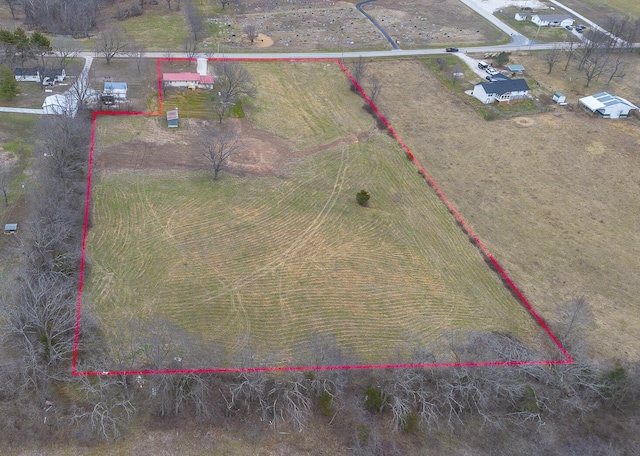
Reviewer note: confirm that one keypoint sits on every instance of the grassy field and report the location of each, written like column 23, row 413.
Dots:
column 263, row 263
column 552, row 195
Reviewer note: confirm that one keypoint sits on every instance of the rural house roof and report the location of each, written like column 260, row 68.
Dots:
column 27, row 71
column 501, row 87
column 115, row 86
column 187, row 77
column 604, row 99
column 553, row 17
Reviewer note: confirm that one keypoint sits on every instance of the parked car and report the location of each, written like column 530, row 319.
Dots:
column 452, row 49
column 568, row 27
column 483, row 65
column 491, row 71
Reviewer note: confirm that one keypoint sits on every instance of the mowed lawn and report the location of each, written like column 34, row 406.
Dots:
column 262, row 264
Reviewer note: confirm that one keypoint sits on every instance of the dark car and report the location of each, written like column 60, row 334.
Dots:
column 452, row 49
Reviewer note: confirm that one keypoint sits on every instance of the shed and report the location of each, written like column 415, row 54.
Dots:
column 559, row 98
column 172, row 118
column 117, row 89
column 515, row 68
column 607, row 105
column 520, row 17
column 10, row 228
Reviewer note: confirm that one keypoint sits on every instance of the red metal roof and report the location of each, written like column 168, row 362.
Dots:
column 187, row 77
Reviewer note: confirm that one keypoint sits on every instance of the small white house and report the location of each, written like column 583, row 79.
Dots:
column 188, row 80
column 40, row 74
column 118, row 90
column 607, row 106
column 501, row 91
column 551, row 20
column 520, row 17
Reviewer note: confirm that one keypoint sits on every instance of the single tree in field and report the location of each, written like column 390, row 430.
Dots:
column 4, row 186
column 252, row 32
column 112, row 41
column 218, row 146
column 233, row 82
column 551, row 57
column 362, row 197
column 8, row 84
column 66, row 49
column 225, row 3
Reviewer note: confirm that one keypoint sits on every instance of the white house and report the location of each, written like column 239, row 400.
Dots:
column 520, row 17
column 61, row 103
column 189, row 80
column 116, row 89
column 501, row 91
column 551, row 20
column 39, row 74
column 606, row 105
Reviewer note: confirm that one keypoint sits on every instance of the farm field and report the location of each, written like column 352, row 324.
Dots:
column 278, row 251
column 552, row 195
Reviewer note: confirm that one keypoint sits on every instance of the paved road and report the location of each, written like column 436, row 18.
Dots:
column 516, row 38
column 376, row 23
column 22, row 110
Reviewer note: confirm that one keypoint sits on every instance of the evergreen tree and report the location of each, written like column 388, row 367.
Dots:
column 8, row 84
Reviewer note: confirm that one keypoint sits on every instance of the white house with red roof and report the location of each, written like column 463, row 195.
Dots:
column 188, row 80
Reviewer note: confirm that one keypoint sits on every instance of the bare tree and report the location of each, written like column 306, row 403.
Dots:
column 13, row 6
column 454, row 73
column 618, row 67
column 233, row 82
column 551, row 57
column 225, row 3
column 66, row 49
column 190, row 47
column 4, row 185
column 112, row 41
column 375, row 88
column 219, row 145
column 106, row 407
column 137, row 51
column 194, row 18
column 252, row 32
column 571, row 49
column 359, row 73
column 221, row 108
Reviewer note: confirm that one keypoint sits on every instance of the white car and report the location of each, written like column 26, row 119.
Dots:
column 491, row 71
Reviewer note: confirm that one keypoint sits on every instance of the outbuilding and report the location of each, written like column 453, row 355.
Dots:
column 10, row 228
column 559, row 98
column 606, row 105
column 501, row 91
column 520, row 17
column 172, row 118
column 516, row 68
column 116, row 89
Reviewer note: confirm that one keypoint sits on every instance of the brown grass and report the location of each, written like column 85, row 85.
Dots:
column 553, row 197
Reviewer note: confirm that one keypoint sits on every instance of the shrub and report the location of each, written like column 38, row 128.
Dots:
column 362, row 197
column 374, row 399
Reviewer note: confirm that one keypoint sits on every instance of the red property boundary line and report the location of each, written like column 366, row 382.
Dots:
column 485, row 252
